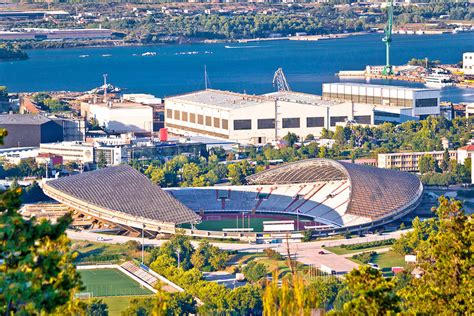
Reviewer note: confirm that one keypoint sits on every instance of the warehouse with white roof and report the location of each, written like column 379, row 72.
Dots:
column 258, row 119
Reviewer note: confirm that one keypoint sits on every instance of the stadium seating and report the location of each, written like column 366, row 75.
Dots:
column 139, row 273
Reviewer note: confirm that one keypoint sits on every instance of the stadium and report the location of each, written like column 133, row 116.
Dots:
column 323, row 195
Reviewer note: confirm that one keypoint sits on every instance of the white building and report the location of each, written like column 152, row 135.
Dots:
column 78, row 152
column 17, row 154
column 113, row 155
column 258, row 119
column 468, row 63
column 394, row 103
column 120, row 117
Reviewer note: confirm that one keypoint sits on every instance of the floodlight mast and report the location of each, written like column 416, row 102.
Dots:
column 388, row 69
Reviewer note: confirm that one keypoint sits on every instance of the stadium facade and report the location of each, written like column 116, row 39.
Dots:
column 338, row 196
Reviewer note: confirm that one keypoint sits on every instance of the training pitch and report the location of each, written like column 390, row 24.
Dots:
column 110, row 282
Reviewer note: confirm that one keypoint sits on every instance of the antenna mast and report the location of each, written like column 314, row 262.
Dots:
column 388, row 69
column 105, row 87
column 279, row 80
column 207, row 83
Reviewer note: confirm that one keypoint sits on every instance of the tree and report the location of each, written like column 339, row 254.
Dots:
column 444, row 164
column 289, row 299
column 102, row 161
column 371, row 294
column 426, row 164
column 290, row 139
column 181, row 244
column 38, row 274
column 255, row 271
column 96, row 307
column 446, row 258
column 246, row 300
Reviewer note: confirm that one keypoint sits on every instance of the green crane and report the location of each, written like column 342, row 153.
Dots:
column 388, row 69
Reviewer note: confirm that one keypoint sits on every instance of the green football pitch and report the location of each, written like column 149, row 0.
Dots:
column 110, row 282
column 218, row 222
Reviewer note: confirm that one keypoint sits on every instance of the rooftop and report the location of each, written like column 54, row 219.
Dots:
column 299, row 97
column 355, row 84
column 26, row 119
column 124, row 189
column 222, row 99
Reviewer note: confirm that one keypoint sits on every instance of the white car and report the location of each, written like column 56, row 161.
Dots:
column 100, row 238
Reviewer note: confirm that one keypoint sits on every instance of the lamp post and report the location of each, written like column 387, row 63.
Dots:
column 143, row 241
column 178, row 251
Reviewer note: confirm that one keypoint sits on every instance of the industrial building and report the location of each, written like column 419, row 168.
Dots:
column 259, row 119
column 394, row 103
column 28, row 130
column 118, row 116
column 54, row 34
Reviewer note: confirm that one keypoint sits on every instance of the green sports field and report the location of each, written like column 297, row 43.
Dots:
column 219, row 221
column 110, row 282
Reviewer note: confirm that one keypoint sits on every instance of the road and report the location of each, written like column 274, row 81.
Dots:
column 306, row 253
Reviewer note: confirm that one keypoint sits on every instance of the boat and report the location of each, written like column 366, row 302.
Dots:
column 106, row 55
column 83, row 56
column 149, row 54
column 438, row 80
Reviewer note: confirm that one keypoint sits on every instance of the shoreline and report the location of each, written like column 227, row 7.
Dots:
column 190, row 41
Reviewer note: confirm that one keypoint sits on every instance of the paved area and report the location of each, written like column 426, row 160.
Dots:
column 306, row 253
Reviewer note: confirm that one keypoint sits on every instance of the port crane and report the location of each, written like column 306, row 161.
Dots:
column 387, row 39
column 279, row 80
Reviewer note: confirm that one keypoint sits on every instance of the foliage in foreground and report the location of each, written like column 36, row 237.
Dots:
column 37, row 274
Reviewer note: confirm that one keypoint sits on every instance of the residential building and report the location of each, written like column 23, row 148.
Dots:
column 408, row 161
column 468, row 64
column 464, row 153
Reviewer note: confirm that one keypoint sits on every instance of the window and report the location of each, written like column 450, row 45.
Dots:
column 423, row 103
column 208, row 121
column 184, row 116
column 363, row 119
column 169, row 113
column 337, row 119
column 242, row 125
column 386, row 114
column 176, row 114
column 217, row 122
column 225, row 124
column 200, row 119
column 266, row 123
column 291, row 122
column 315, row 122
column 192, row 117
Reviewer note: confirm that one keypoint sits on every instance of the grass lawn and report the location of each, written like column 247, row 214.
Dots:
column 117, row 304
column 103, row 252
column 110, row 282
column 389, row 259
column 344, row 251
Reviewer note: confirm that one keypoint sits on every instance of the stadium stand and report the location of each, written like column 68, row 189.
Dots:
column 139, row 273
column 338, row 194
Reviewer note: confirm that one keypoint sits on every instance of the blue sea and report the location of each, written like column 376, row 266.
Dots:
column 241, row 67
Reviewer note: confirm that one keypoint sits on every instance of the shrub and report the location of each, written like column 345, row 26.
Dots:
column 272, row 254
column 254, row 271
column 365, row 257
